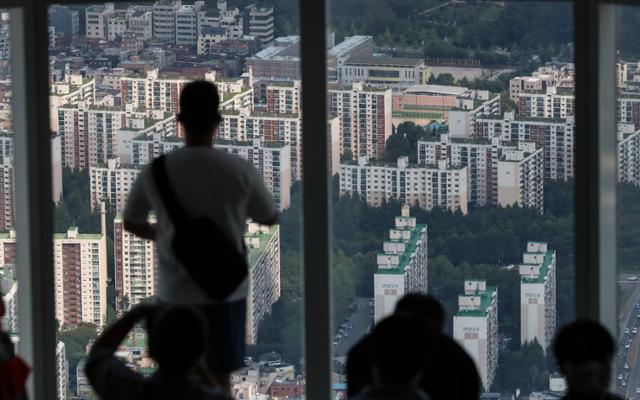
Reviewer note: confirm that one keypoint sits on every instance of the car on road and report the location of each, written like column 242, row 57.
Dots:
column 638, row 390
column 626, row 346
column 634, row 330
column 619, row 376
column 626, row 366
column 632, row 278
column 626, row 330
column 624, row 383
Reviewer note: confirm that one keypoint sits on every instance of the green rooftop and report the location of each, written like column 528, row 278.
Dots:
column 544, row 268
column 486, row 299
column 410, row 248
column 256, row 253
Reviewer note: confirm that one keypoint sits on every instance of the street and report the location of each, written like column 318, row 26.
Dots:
column 360, row 320
column 627, row 368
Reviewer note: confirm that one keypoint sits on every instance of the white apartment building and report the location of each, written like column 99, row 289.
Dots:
column 521, row 177
column 365, row 114
column 462, row 121
column 554, row 102
column 263, row 246
column 258, row 23
column 7, row 181
column 402, row 265
column 555, row 135
column 475, row 327
column 271, row 159
column 164, row 19
column 62, row 371
column 281, row 97
column 97, row 21
column 479, row 156
column 141, row 24
column 5, row 40
column 628, row 156
column 208, row 37
column 628, row 107
column 117, row 24
column 271, row 127
column 188, row 18
column 136, row 265
column 142, row 149
column 538, row 294
column 111, row 182
column 10, row 298
column 83, row 387
column 74, row 89
column 387, row 72
column 426, row 186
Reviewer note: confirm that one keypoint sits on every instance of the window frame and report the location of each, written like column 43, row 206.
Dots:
column 595, row 179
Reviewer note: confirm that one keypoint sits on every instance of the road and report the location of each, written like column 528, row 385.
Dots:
column 360, row 321
column 627, row 366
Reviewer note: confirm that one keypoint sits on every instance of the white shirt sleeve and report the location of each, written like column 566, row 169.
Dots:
column 138, row 204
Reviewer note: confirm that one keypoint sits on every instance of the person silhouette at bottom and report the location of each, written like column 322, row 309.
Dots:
column 400, row 348
column 177, row 342
column 584, row 350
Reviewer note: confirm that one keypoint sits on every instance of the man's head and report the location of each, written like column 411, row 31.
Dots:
column 199, row 115
column 400, row 347
column 425, row 307
column 584, row 350
column 177, row 339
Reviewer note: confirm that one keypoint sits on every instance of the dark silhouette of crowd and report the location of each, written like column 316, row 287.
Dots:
column 202, row 198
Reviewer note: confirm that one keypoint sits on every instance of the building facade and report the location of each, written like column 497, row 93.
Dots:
column 427, row 186
column 475, row 327
column 402, row 265
column 521, row 177
column 136, row 265
column 538, row 295
column 111, row 183
column 263, row 245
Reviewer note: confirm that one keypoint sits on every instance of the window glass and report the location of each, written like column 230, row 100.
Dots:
column 627, row 138
column 116, row 75
column 451, row 133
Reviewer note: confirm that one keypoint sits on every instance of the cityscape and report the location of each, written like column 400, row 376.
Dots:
column 452, row 176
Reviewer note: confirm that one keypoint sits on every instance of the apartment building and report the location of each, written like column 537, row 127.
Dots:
column 538, row 294
column 554, row 102
column 80, row 271
column 556, row 136
column 365, row 114
column 402, row 265
column 7, row 182
column 521, row 177
column 628, row 108
column 427, row 186
column 164, row 19
column 62, row 371
column 111, row 182
column 629, row 155
column 208, row 38
column 278, row 97
column 10, row 297
column 387, row 72
column 188, row 23
column 142, row 149
column 258, row 23
column 136, row 265
column 141, row 23
column 263, row 245
column 479, row 156
column 475, row 327
column 97, row 21
column 117, row 24
column 73, row 89
column 271, row 159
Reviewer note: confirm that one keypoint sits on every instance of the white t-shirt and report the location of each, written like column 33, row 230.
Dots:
column 210, row 183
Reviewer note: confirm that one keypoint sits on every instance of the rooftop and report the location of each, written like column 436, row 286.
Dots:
column 544, row 268
column 436, row 90
column 255, row 253
column 486, row 298
column 410, row 248
column 384, row 61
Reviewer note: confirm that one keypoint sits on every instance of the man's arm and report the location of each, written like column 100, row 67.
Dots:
column 137, row 210
column 261, row 207
column 117, row 332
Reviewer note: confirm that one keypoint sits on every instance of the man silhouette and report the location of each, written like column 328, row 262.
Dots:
column 177, row 341
column 584, row 350
column 212, row 184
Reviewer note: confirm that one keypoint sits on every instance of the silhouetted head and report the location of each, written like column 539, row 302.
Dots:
column 423, row 306
column 177, row 339
column 585, row 350
column 199, row 113
column 400, row 347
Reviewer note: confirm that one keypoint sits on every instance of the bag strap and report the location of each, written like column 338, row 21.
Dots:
column 168, row 196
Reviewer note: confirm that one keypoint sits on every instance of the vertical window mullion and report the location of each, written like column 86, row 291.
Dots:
column 315, row 190
column 34, row 212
